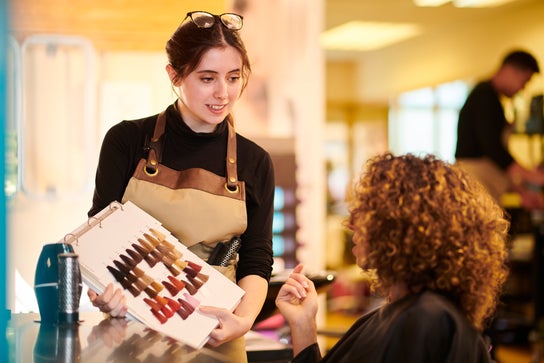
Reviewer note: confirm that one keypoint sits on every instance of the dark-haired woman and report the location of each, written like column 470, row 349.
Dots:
column 189, row 169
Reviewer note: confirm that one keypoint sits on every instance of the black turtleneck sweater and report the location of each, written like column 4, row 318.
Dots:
column 124, row 145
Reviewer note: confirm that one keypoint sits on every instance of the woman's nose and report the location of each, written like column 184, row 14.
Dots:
column 221, row 90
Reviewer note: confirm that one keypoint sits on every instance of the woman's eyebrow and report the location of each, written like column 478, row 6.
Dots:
column 237, row 70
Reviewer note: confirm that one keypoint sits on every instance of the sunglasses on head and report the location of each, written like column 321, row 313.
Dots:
column 205, row 20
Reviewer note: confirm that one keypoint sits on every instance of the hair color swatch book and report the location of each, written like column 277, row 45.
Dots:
column 164, row 282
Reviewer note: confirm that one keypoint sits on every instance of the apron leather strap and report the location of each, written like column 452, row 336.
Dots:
column 155, row 152
column 232, row 173
column 155, row 146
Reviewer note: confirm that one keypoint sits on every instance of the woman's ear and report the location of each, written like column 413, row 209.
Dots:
column 172, row 74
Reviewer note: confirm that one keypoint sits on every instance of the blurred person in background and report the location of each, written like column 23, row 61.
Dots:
column 482, row 133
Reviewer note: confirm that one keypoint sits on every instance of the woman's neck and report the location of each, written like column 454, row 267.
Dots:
column 190, row 120
column 398, row 291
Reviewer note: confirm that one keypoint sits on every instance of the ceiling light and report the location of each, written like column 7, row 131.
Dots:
column 463, row 3
column 361, row 36
column 430, row 2
column 479, row 3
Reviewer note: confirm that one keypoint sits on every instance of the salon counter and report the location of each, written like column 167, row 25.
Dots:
column 99, row 339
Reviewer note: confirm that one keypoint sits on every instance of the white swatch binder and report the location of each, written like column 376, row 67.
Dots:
column 163, row 281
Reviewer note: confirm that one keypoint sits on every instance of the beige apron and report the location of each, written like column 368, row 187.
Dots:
column 486, row 171
column 198, row 207
column 493, row 178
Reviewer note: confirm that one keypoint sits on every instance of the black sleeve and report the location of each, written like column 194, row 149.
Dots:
column 490, row 122
column 310, row 354
column 256, row 256
column 121, row 149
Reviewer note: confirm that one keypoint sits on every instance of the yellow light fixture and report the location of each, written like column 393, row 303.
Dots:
column 479, row 3
column 430, row 2
column 463, row 3
column 361, row 36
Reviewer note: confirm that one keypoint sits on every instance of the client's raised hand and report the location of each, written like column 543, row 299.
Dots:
column 297, row 301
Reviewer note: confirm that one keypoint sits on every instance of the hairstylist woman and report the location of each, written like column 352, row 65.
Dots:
column 189, row 169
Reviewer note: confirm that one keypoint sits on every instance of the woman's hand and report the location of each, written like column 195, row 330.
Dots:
column 231, row 326
column 235, row 325
column 112, row 301
column 297, row 301
column 297, row 298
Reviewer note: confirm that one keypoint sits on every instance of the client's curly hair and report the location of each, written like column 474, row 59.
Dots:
column 428, row 224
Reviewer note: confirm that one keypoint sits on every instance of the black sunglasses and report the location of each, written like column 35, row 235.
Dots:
column 203, row 19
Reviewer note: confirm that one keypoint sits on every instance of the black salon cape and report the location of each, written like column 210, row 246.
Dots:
column 423, row 328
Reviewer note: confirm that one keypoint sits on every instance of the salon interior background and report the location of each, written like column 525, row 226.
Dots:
column 76, row 67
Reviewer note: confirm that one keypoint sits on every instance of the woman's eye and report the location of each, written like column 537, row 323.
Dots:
column 207, row 79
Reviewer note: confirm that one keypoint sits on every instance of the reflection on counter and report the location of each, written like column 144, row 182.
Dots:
column 100, row 339
column 97, row 339
column 57, row 343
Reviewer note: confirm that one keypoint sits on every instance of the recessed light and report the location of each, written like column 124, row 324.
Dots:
column 361, row 36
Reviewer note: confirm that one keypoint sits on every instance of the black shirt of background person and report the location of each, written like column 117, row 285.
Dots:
column 481, row 125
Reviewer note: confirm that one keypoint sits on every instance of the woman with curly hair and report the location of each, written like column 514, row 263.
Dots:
column 436, row 241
